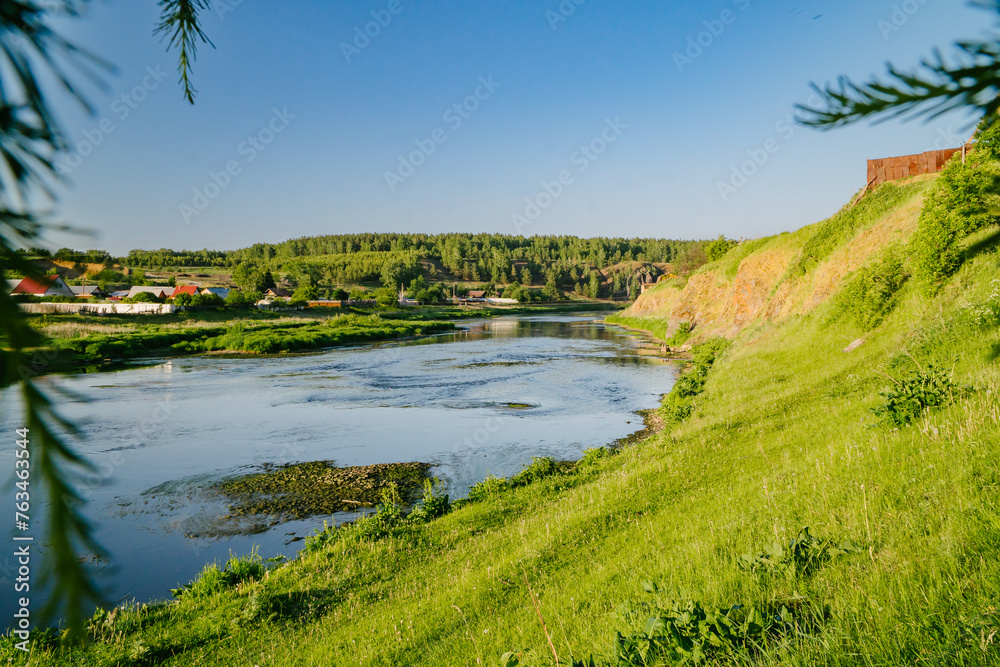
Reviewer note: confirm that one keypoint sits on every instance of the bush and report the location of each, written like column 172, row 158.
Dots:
column 490, row 487
column 144, row 297
column 241, row 299
column 802, row 556
column 679, row 403
column 718, row 248
column 964, row 200
column 432, row 505
column 681, row 335
column 870, row 294
column 214, row 580
column 685, row 631
column 207, row 301
column 911, row 397
column 540, row 468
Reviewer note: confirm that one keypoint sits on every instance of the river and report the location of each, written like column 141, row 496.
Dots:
column 479, row 401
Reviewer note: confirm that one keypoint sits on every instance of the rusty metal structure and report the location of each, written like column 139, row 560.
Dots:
column 895, row 168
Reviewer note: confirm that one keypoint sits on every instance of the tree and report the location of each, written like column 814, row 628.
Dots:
column 249, row 278
column 144, row 297
column 306, row 291
column 594, row 287
column 718, row 248
column 971, row 82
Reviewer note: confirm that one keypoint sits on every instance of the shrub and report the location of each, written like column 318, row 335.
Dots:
column 718, row 248
column 540, row 468
column 214, row 580
column 802, row 556
column 144, row 297
column 912, row 396
column 870, row 294
column 685, row 631
column 681, row 335
column 679, row 403
column 964, row 200
column 432, row 505
column 490, row 487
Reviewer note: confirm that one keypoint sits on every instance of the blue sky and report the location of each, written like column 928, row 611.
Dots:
column 294, row 133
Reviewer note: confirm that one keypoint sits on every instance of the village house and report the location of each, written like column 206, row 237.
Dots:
column 221, row 292
column 190, row 290
column 88, row 291
column 48, row 286
column 157, row 291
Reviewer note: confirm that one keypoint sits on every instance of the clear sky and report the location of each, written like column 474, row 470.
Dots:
column 309, row 117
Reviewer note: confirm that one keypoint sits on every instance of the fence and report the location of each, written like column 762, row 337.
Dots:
column 894, row 168
column 98, row 308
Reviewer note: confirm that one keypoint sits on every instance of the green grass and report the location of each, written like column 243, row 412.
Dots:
column 253, row 335
column 657, row 327
column 900, row 566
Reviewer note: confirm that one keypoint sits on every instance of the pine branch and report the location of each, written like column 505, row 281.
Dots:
column 179, row 24
column 935, row 88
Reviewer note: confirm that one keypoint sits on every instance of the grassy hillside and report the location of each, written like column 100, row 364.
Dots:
column 702, row 527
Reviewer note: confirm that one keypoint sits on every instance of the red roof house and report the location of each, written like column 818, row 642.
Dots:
column 190, row 290
column 48, row 286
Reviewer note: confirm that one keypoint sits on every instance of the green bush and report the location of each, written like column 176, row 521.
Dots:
column 801, row 557
column 681, row 335
column 964, row 199
column 685, row 631
column 144, row 297
column 540, row 468
column 214, row 580
column 717, row 249
column 912, row 396
column 679, row 403
column 870, row 293
column 490, row 487
column 432, row 505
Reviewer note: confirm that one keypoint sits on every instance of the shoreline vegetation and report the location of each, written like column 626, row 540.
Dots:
column 808, row 501
column 85, row 343
column 280, row 493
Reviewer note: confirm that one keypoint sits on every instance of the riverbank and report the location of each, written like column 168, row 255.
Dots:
column 84, row 344
column 90, row 343
column 814, row 503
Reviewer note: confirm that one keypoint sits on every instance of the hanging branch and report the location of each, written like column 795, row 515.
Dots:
column 179, row 24
column 935, row 88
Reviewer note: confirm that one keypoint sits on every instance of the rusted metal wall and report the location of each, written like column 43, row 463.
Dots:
column 894, row 168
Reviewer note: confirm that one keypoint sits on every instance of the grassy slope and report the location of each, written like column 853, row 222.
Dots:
column 781, row 439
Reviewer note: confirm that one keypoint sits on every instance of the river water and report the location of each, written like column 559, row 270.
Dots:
column 480, row 401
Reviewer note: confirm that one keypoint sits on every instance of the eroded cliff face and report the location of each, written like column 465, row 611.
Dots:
column 719, row 300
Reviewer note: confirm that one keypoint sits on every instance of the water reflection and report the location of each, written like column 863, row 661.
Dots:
column 481, row 400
